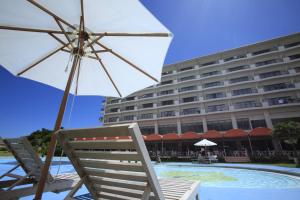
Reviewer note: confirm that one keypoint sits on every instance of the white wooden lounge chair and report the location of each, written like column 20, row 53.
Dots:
column 119, row 168
column 19, row 186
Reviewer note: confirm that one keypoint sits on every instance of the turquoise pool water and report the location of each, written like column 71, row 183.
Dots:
column 234, row 184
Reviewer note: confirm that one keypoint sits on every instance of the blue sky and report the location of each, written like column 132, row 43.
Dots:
column 200, row 27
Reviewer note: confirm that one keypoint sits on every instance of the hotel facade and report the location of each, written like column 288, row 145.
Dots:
column 253, row 86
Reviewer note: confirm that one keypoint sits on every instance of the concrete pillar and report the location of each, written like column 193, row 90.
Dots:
column 204, row 123
column 178, row 127
column 156, row 128
column 268, row 119
column 233, row 121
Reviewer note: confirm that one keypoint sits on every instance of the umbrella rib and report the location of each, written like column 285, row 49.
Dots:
column 42, row 59
column 50, row 13
column 127, row 61
column 59, row 40
column 107, row 73
column 12, row 28
column 134, row 34
column 63, row 30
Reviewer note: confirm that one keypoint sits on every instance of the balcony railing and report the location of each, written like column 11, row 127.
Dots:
column 235, row 57
column 292, row 44
column 217, row 108
column 167, row 114
column 244, row 91
column 283, row 100
column 272, row 74
column 190, row 111
column 268, row 62
column 248, row 104
column 188, row 100
column 146, row 116
column 189, row 88
column 215, row 96
column 213, row 84
column 234, row 69
column 279, row 86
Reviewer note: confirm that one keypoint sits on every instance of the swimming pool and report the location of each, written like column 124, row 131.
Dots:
column 216, row 182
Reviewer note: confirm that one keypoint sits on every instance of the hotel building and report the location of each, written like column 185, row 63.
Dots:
column 253, row 86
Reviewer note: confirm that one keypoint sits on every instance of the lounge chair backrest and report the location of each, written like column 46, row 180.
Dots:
column 112, row 161
column 24, row 153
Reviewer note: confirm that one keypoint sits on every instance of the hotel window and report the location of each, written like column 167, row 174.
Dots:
column 268, row 62
column 186, row 69
column 146, row 130
column 264, row 51
column 210, row 73
column 146, row 116
column 114, row 101
column 147, row 105
column 189, row 99
column 129, row 98
column 113, row 119
column 209, row 63
column 292, row 44
column 165, row 92
column 188, row 88
column 294, row 57
column 167, row 114
column 149, row 95
column 166, row 103
column 196, row 127
column 241, row 67
column 243, row 91
column 170, row 128
column 222, row 125
column 128, row 118
column 166, row 82
column 190, row 111
column 213, row 84
column 258, row 123
column 235, row 57
column 239, row 79
column 243, row 124
column 129, row 108
column 187, row 78
column 112, row 110
column 215, row 95
column 166, row 73
column 246, row 104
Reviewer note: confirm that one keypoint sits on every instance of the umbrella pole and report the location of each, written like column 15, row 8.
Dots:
column 51, row 150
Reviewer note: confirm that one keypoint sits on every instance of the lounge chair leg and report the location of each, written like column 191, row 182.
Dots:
column 19, row 181
column 74, row 190
column 15, row 167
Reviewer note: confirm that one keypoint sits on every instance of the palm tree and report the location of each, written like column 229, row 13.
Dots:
column 289, row 132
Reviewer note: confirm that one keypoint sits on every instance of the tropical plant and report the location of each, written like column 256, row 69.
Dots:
column 289, row 132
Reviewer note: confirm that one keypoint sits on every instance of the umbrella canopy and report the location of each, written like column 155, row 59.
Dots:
column 205, row 143
column 91, row 47
column 124, row 45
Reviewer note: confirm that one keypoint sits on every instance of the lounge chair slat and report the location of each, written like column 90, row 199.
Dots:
column 134, row 176
column 122, row 191
column 118, row 183
column 97, row 132
column 102, row 144
column 114, row 155
column 112, row 165
column 115, row 196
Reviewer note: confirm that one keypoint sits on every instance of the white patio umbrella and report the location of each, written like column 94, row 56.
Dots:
column 205, row 143
column 108, row 47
